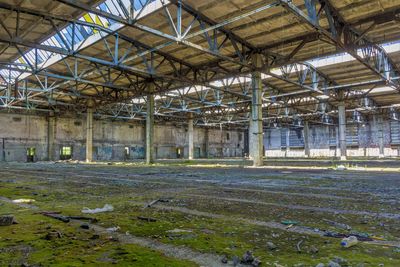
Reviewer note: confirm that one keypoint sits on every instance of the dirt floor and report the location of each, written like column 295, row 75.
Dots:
column 204, row 213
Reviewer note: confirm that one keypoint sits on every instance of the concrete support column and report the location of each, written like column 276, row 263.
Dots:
column 221, row 140
column 287, row 142
column 342, row 130
column 3, row 150
column 89, row 135
column 256, row 120
column 206, row 143
column 150, row 129
column 306, row 139
column 51, row 132
column 190, row 137
column 381, row 136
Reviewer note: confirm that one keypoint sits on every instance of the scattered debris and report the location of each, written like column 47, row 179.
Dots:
column 6, row 220
column 271, row 246
column 341, row 168
column 338, row 225
column 23, row 201
column 85, row 226
column 248, row 257
column 256, row 262
column 56, row 216
column 224, row 259
column 106, row 208
column 235, row 260
column 164, row 200
column 275, row 235
column 53, row 235
column 364, row 235
column 94, row 237
column 360, row 237
column 340, row 261
column 208, row 231
column 179, row 231
column 298, row 246
column 320, row 265
column 349, row 241
column 180, row 234
column 290, row 222
column 83, row 218
column 113, row 229
column 314, row 250
column 147, row 219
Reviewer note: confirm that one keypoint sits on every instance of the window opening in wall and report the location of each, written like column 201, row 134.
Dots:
column 66, row 153
column 30, row 154
column 228, row 137
column 179, row 153
column 126, row 153
column 240, row 137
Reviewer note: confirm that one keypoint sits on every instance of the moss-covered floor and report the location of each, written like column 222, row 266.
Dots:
column 221, row 211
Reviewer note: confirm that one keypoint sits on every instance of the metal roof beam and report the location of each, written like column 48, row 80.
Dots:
column 345, row 37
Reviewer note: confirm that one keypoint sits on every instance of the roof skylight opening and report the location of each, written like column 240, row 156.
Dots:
column 72, row 38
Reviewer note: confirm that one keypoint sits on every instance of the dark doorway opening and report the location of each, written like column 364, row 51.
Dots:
column 179, row 152
column 30, row 154
column 127, row 153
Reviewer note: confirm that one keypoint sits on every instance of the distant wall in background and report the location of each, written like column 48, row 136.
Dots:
column 112, row 140
column 362, row 140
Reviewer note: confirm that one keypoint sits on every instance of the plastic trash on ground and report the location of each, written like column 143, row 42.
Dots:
column 289, row 222
column 341, row 168
column 106, row 208
column 23, row 200
column 113, row 229
column 349, row 241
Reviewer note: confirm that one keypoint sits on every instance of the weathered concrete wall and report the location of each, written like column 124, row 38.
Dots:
column 223, row 143
column 21, row 132
column 111, row 139
column 362, row 141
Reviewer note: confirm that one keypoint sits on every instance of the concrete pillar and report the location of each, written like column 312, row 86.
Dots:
column 150, row 129
column 256, row 120
column 190, row 137
column 51, row 132
column 307, row 139
column 221, row 141
column 287, row 142
column 89, row 135
column 246, row 143
column 3, row 150
column 342, row 130
column 381, row 136
column 206, row 143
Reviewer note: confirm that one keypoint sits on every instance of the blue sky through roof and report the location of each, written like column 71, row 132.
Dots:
column 67, row 38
